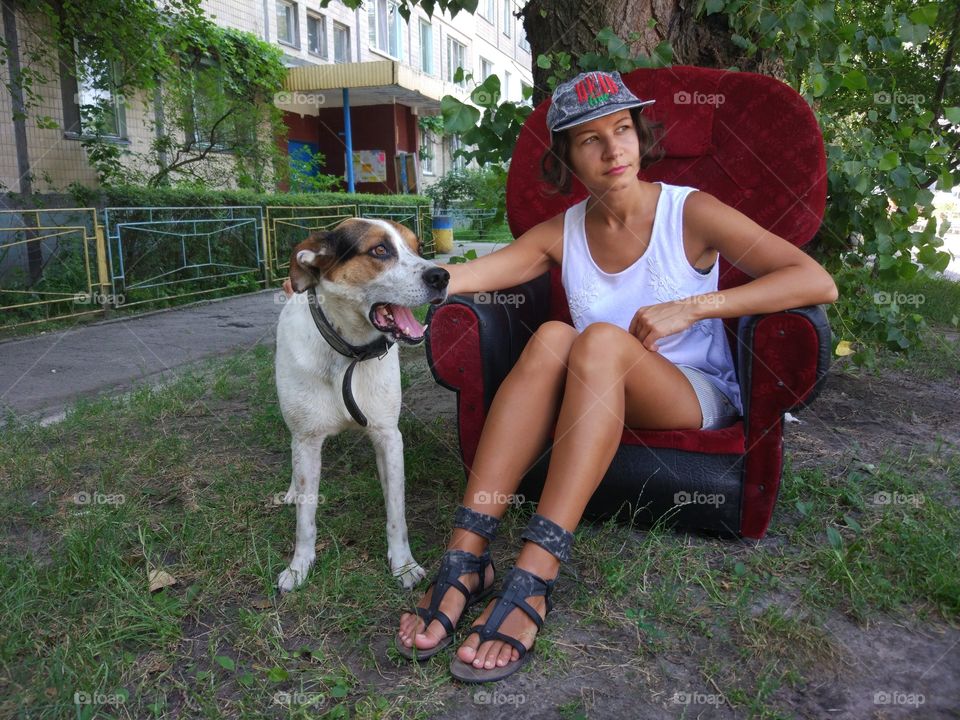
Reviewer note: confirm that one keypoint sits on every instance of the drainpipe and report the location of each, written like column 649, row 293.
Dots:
column 348, row 138
column 16, row 90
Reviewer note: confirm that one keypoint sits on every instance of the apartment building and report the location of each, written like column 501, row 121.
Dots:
column 355, row 78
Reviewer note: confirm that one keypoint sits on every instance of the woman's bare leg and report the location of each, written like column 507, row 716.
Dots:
column 612, row 381
column 514, row 435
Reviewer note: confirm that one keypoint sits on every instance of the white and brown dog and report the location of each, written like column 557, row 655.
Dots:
column 338, row 366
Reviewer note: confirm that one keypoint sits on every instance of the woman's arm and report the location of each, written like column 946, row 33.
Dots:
column 527, row 257
column 784, row 276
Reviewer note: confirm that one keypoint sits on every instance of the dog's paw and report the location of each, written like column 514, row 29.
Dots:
column 292, row 577
column 409, row 575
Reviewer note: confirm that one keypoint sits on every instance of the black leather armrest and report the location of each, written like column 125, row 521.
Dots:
column 506, row 319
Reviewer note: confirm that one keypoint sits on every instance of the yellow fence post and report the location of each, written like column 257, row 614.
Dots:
column 267, row 258
column 103, row 272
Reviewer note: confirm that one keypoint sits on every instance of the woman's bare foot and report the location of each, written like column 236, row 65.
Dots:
column 412, row 625
column 517, row 624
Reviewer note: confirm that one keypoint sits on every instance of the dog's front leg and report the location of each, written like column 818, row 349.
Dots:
column 306, row 482
column 389, row 448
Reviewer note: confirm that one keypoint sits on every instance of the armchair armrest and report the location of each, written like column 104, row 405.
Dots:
column 782, row 364
column 783, row 358
column 492, row 327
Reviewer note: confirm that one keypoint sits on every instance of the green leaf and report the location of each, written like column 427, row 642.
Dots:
column 852, row 524
column 835, row 539
column 739, row 569
column 458, row 117
column 855, row 80
column 819, row 84
column 889, row 161
column 926, row 15
column 277, row 674
column 952, row 114
column 225, row 662
column 715, row 6
column 543, row 62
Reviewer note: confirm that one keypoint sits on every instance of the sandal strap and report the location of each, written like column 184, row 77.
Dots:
column 438, row 615
column 476, row 522
column 551, row 537
column 518, row 585
column 453, row 564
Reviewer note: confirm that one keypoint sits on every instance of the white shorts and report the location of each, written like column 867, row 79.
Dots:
column 718, row 411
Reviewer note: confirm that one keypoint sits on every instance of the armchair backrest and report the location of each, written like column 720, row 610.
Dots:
column 748, row 139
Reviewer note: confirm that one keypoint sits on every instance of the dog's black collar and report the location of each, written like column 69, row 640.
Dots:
column 376, row 349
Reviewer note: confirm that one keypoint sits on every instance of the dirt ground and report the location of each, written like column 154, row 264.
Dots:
column 857, row 418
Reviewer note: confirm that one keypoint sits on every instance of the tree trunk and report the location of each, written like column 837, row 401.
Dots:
column 572, row 26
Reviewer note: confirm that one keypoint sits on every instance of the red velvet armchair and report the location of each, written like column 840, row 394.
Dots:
column 753, row 142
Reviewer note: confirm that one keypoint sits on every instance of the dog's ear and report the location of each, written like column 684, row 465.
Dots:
column 309, row 260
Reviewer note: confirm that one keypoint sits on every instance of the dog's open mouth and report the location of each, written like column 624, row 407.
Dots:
column 398, row 320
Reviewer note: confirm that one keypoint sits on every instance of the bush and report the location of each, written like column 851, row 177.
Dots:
column 481, row 188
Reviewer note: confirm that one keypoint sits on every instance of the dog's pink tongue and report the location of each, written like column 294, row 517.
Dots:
column 407, row 323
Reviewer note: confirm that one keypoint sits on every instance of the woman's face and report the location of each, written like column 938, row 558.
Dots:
column 605, row 153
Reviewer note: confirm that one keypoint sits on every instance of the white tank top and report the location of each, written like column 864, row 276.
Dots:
column 661, row 274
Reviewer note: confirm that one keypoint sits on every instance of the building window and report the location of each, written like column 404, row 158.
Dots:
column 91, row 104
column 426, row 47
column 456, row 58
column 507, row 18
column 426, row 152
column 522, row 38
column 341, row 43
column 506, row 85
column 288, row 31
column 486, row 69
column 386, row 27
column 487, row 11
column 317, row 35
column 456, row 144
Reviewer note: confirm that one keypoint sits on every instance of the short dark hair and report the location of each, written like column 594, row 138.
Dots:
column 555, row 162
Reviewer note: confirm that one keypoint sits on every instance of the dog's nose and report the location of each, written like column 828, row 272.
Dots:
column 436, row 277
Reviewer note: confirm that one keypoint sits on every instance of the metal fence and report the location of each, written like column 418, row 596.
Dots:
column 64, row 263
column 51, row 265
column 166, row 253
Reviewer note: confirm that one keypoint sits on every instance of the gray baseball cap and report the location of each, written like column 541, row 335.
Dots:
column 588, row 96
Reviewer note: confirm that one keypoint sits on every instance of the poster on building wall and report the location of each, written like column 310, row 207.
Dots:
column 369, row 166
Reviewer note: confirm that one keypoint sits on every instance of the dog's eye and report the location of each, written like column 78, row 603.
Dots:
column 379, row 251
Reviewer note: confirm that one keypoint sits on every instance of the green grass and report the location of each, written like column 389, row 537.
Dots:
column 198, row 462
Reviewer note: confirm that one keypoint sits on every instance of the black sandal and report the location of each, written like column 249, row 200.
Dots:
column 453, row 564
column 518, row 585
